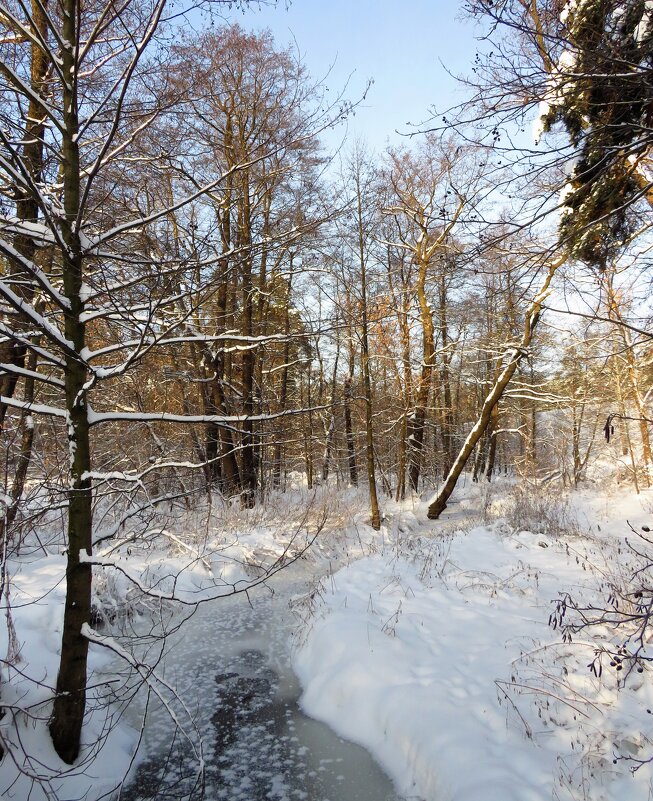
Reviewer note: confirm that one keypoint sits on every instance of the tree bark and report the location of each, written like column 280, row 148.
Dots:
column 447, row 418
column 70, row 700
column 27, row 208
column 365, row 359
column 417, row 420
column 349, row 432
column 248, row 458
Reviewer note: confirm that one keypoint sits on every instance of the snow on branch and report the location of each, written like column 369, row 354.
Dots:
column 33, row 408
column 39, row 276
column 96, row 418
column 48, row 330
column 7, row 367
column 24, row 338
column 157, row 684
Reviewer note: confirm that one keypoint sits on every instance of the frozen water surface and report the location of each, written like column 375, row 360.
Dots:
column 231, row 664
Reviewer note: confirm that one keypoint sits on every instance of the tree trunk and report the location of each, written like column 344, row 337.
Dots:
column 308, row 430
column 70, row 700
column 283, row 390
column 13, row 352
column 331, row 430
column 447, row 415
column 349, row 432
column 492, row 444
column 375, row 521
column 248, row 459
column 514, row 356
column 27, row 208
column 417, row 420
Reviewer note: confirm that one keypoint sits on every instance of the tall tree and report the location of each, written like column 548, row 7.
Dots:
column 427, row 199
column 252, row 105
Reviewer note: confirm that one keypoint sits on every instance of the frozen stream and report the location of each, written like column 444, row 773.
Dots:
column 231, row 663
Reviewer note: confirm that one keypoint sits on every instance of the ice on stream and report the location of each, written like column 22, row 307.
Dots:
column 231, row 663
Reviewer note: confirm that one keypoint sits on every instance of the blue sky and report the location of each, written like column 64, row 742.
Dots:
column 401, row 45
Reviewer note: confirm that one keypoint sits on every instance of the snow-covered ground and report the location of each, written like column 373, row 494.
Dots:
column 196, row 558
column 435, row 654
column 427, row 642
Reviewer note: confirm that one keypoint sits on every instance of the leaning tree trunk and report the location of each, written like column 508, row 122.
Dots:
column 512, row 360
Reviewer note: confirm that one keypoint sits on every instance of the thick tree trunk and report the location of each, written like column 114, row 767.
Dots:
column 70, row 700
column 220, row 450
column 248, row 459
column 228, row 473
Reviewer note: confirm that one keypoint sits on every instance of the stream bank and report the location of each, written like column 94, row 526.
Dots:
column 231, row 664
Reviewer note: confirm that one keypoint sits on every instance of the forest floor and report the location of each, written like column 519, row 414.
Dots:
column 428, row 642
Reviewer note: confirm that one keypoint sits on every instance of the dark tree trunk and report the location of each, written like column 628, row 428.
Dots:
column 349, row 432
column 70, row 700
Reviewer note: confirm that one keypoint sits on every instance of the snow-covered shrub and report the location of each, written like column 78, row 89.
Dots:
column 543, row 510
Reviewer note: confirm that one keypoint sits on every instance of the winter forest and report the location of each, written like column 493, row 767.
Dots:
column 326, row 469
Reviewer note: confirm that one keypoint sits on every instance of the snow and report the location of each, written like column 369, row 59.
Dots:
column 643, row 29
column 37, row 610
column 430, row 646
column 539, row 123
column 568, row 10
column 443, row 659
column 133, row 577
